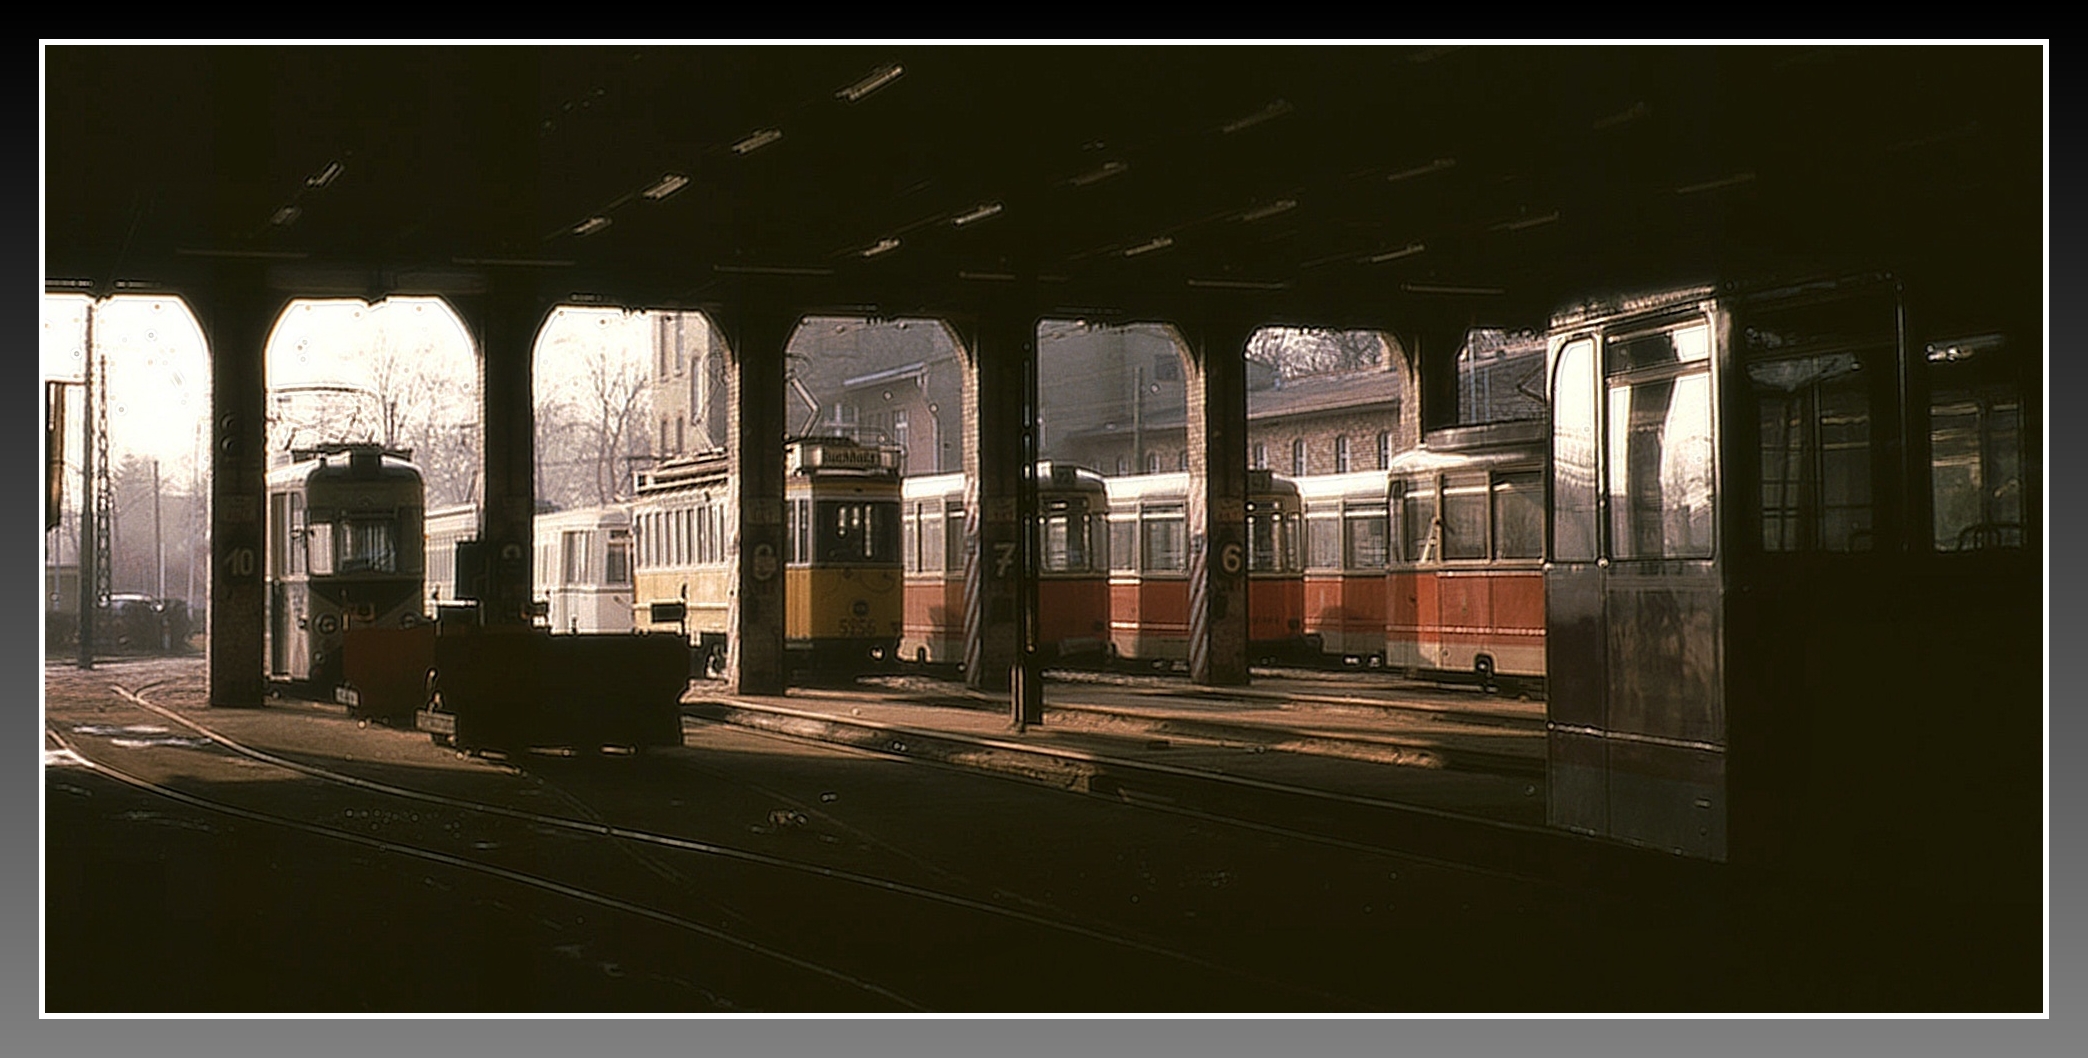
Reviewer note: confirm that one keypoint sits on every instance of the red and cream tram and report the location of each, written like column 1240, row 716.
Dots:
column 1072, row 568
column 1343, row 606
column 931, row 550
column 1149, row 567
column 1464, row 594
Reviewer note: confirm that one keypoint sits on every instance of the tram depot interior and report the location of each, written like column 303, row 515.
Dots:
column 1766, row 237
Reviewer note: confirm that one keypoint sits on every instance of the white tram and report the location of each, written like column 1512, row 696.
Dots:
column 583, row 568
column 344, row 551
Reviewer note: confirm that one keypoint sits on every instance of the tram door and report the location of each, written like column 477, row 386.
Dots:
column 1637, row 722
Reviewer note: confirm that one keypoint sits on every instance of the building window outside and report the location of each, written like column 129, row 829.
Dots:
column 1261, row 456
column 1182, row 459
column 1384, row 450
column 1152, row 463
column 1123, row 466
column 1341, row 454
column 1298, row 457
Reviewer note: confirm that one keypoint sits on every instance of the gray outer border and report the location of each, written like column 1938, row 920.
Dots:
column 1211, row 1038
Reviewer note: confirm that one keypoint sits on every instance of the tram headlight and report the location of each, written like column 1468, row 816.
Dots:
column 327, row 624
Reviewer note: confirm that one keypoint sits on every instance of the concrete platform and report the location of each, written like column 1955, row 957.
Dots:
column 1429, row 749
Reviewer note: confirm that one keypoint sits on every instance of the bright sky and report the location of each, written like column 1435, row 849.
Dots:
column 159, row 372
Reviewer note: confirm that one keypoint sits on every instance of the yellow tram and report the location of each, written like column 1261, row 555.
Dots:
column 844, row 589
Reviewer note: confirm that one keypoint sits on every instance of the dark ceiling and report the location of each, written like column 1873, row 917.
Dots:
column 1330, row 185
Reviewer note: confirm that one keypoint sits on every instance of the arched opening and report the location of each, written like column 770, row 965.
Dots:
column 149, row 486
column 601, row 376
column 401, row 373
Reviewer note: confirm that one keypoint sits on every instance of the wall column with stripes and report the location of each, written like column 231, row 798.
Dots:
column 1000, row 582
column 1218, row 545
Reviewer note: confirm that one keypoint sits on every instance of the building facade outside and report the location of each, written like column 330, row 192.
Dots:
column 1113, row 399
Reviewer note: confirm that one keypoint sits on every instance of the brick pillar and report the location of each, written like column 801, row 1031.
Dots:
column 237, row 314
column 1218, row 545
column 1432, row 340
column 1406, row 432
column 506, row 320
column 755, row 339
column 1000, row 582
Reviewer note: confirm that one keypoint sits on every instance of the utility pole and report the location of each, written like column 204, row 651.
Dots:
column 1138, row 422
column 88, row 574
column 159, row 557
column 195, row 501
column 159, row 545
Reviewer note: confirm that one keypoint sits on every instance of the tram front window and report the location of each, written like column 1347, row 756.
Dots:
column 857, row 531
column 366, row 545
column 1265, row 532
column 1066, row 541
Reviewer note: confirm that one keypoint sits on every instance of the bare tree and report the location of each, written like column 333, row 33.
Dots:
column 617, row 386
column 402, row 394
column 564, row 466
column 591, row 418
column 1295, row 351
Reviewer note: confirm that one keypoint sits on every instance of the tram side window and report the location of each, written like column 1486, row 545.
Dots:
column 934, row 547
column 953, row 539
column 1573, row 453
column 1813, row 414
column 1976, row 468
column 572, row 560
column 1323, row 540
column 1165, row 532
column 1660, row 463
column 910, row 539
column 616, row 563
column 1123, row 544
column 1417, row 523
column 1464, row 517
column 279, row 535
column 1518, row 514
column 1364, row 539
column 1294, row 542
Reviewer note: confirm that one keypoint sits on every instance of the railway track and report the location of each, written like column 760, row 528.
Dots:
column 652, row 849
column 1420, row 734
